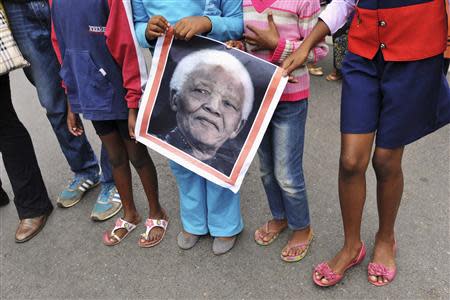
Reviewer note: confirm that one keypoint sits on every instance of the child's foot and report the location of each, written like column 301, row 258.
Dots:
column 298, row 245
column 156, row 227
column 76, row 189
column 267, row 233
column 108, row 203
column 334, row 76
column 314, row 70
column 341, row 261
column 383, row 255
column 187, row 240
column 121, row 229
column 222, row 245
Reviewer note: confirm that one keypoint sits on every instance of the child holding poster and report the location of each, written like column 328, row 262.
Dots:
column 103, row 73
column 274, row 29
column 204, row 206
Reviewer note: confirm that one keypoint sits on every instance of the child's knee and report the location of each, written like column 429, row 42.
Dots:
column 139, row 161
column 118, row 160
column 350, row 166
column 291, row 186
column 386, row 165
column 290, row 179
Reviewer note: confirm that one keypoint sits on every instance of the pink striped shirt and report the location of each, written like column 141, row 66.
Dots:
column 294, row 19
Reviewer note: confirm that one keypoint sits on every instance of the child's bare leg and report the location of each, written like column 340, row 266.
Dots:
column 146, row 170
column 387, row 164
column 355, row 156
column 118, row 158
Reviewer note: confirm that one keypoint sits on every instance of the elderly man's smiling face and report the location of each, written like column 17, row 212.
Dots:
column 209, row 106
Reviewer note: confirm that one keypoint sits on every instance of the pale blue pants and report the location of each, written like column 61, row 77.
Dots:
column 206, row 207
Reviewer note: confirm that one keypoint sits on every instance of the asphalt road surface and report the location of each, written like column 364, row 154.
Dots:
column 67, row 259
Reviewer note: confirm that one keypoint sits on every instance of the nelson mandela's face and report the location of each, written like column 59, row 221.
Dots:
column 209, row 106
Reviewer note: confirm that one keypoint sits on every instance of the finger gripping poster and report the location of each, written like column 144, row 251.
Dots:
column 206, row 107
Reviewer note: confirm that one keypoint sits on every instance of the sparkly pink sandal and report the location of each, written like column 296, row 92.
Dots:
column 332, row 277
column 374, row 269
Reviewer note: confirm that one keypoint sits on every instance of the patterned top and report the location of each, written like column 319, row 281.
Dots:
column 294, row 20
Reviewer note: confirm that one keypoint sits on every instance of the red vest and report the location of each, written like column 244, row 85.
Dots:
column 404, row 30
column 447, row 52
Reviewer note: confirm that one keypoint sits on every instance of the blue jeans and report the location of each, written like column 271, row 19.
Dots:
column 206, row 207
column 281, row 164
column 31, row 27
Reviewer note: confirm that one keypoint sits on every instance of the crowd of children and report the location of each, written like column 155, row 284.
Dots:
column 103, row 73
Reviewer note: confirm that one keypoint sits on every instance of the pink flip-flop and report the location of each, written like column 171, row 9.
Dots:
column 332, row 277
column 304, row 246
column 374, row 269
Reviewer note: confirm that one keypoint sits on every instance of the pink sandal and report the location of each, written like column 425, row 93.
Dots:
column 111, row 239
column 150, row 224
column 332, row 277
column 374, row 269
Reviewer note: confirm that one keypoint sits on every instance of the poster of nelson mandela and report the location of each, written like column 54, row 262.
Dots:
column 206, row 106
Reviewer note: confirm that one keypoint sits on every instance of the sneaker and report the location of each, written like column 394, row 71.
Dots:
column 108, row 203
column 73, row 193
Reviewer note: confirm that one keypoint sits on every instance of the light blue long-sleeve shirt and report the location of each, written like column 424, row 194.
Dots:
column 225, row 15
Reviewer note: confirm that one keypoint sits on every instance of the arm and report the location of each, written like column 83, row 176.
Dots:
column 140, row 18
column 147, row 29
column 230, row 24
column 336, row 15
column 74, row 124
column 123, row 47
column 225, row 27
column 307, row 14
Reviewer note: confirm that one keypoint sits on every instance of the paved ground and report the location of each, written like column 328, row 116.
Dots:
column 68, row 260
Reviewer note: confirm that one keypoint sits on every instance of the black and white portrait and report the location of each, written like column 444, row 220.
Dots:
column 207, row 101
column 211, row 105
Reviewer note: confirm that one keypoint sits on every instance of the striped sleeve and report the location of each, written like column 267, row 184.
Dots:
column 307, row 12
column 123, row 46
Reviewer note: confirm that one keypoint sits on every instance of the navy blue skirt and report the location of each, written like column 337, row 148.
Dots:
column 400, row 101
